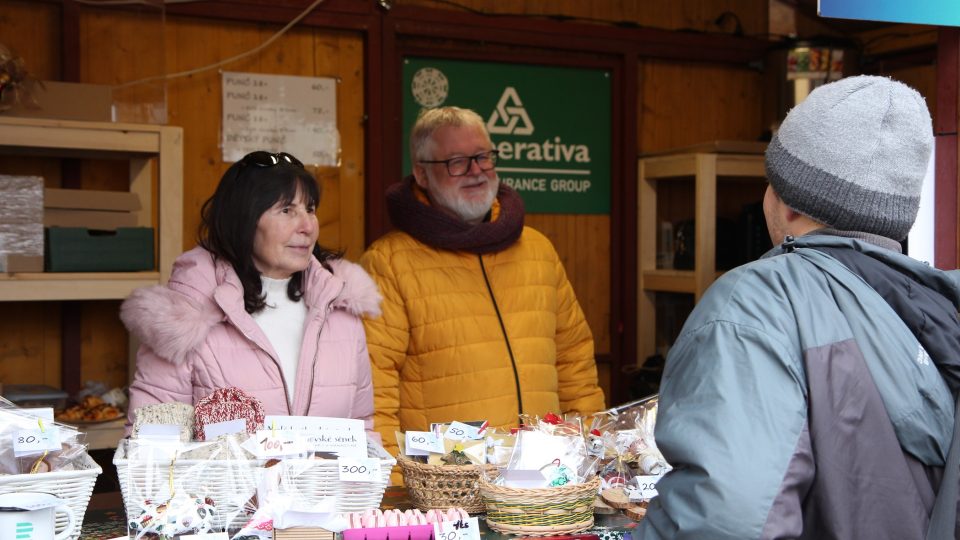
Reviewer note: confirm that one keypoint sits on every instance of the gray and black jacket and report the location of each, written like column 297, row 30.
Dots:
column 810, row 395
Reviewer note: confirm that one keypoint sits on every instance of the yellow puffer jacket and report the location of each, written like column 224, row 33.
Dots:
column 438, row 351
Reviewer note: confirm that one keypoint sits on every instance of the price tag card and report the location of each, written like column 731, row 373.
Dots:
column 212, row 431
column 457, row 530
column 359, row 470
column 277, row 443
column 45, row 413
column 34, row 441
column 344, row 437
column 645, row 489
column 159, row 432
column 459, row 431
column 422, row 443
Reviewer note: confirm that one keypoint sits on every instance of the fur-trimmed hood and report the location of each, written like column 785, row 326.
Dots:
column 202, row 292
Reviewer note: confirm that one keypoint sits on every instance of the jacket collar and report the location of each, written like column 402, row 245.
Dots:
column 947, row 283
column 203, row 292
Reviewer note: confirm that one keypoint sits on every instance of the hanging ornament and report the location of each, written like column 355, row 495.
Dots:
column 17, row 86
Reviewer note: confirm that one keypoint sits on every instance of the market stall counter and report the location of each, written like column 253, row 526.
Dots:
column 106, row 519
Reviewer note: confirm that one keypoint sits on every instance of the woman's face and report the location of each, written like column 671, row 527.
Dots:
column 283, row 243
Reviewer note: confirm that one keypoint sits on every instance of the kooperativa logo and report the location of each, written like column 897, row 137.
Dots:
column 510, row 118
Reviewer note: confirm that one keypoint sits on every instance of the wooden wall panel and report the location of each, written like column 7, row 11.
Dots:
column 685, row 104
column 104, row 350
column 32, row 30
column 30, row 348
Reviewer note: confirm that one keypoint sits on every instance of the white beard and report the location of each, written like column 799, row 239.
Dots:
column 467, row 210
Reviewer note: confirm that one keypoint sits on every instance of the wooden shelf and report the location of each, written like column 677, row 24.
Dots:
column 154, row 161
column 140, row 145
column 73, row 286
column 705, row 164
column 681, row 281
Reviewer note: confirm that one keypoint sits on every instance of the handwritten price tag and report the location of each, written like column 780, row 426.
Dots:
column 457, row 530
column 459, row 431
column 34, row 441
column 359, row 470
column 422, row 443
column 278, row 443
column 645, row 489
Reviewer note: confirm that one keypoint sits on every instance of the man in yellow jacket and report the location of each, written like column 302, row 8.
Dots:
column 479, row 319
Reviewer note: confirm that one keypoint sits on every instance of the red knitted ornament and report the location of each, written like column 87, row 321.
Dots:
column 226, row 404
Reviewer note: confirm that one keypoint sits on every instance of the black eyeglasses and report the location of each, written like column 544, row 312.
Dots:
column 261, row 158
column 459, row 166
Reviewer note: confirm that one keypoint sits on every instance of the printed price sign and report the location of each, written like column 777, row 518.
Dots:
column 422, row 443
column 278, row 443
column 34, row 441
column 645, row 489
column 459, row 431
column 359, row 470
column 457, row 530
column 344, row 437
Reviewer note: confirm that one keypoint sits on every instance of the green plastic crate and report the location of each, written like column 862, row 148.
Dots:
column 77, row 249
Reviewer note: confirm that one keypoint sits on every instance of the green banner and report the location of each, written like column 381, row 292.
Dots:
column 551, row 125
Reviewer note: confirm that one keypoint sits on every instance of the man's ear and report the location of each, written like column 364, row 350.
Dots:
column 420, row 175
column 789, row 213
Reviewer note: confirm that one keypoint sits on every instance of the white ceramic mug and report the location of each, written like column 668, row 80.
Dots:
column 32, row 516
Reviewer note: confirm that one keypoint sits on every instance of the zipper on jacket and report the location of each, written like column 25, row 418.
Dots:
column 506, row 338
column 316, row 353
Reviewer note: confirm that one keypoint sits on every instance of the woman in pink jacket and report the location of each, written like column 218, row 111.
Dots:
column 259, row 306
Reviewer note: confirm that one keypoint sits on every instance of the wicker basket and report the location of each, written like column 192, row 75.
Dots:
column 320, row 478
column 75, row 487
column 443, row 486
column 221, row 479
column 541, row 511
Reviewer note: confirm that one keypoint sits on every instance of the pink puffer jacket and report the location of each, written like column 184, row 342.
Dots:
column 196, row 337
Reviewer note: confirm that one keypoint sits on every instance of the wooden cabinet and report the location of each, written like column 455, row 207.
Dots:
column 688, row 182
column 153, row 157
column 141, row 146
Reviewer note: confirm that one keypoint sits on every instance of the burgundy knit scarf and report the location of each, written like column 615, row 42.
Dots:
column 442, row 231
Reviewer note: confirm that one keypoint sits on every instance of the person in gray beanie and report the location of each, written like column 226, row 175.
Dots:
column 853, row 156
column 812, row 393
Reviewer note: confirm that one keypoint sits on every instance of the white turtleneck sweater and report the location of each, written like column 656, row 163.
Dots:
column 282, row 320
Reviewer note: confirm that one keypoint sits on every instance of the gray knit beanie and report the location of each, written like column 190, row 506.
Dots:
column 853, row 155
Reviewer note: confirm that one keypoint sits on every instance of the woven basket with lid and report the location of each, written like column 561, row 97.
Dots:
column 444, row 486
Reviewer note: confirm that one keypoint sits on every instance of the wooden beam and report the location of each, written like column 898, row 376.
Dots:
column 945, row 130
column 623, row 231
column 596, row 38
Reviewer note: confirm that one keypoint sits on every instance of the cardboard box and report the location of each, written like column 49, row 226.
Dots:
column 21, row 263
column 303, row 533
column 68, row 101
column 88, row 219
column 91, row 209
column 21, row 223
column 91, row 199
column 83, row 250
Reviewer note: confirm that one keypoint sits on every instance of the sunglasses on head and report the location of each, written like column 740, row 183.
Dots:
column 262, row 158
